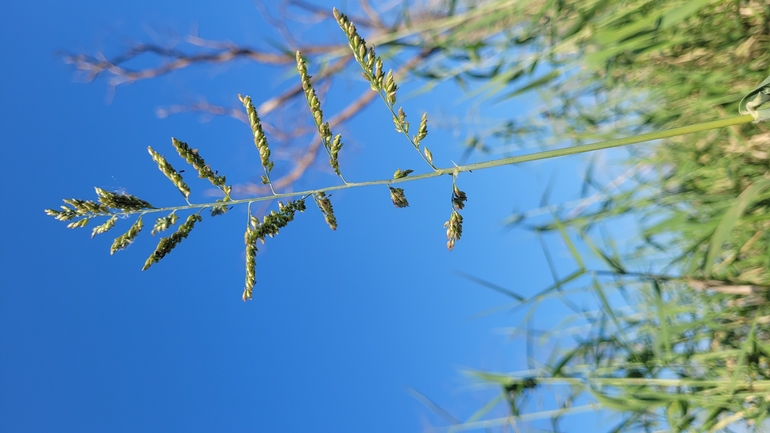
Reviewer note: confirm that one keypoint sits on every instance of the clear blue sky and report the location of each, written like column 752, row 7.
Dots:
column 342, row 323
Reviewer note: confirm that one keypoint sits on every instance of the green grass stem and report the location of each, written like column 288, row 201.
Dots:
column 607, row 144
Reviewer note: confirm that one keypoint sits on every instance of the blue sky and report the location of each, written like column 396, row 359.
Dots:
column 342, row 324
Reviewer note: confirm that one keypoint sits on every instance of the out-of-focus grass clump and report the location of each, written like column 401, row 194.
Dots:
column 688, row 349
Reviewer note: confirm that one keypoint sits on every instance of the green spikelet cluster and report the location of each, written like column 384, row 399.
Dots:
column 331, row 143
column 78, row 224
column 124, row 202
column 124, row 240
column 325, row 204
column 79, row 208
column 378, row 79
column 88, row 209
column 260, row 140
column 422, row 132
column 167, row 244
column 163, row 223
column 251, row 263
column 204, row 170
column 169, row 171
column 455, row 224
column 271, row 224
column 398, row 197
column 275, row 221
column 382, row 83
column 105, row 227
column 402, row 174
column 367, row 59
column 219, row 209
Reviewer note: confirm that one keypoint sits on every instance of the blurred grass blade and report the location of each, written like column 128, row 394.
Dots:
column 532, row 85
column 729, row 220
column 664, row 334
column 492, row 286
column 565, row 237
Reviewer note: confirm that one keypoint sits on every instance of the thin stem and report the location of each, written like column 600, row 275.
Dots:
column 269, row 182
column 403, row 130
column 479, row 165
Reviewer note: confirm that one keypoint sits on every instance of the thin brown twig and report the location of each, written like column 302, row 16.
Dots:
column 372, row 14
column 278, row 25
column 326, row 13
column 203, row 106
column 95, row 66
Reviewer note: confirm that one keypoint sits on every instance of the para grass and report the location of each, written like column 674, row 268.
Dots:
column 113, row 205
column 717, row 385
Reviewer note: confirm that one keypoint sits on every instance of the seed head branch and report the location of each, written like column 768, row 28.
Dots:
column 383, row 83
column 331, row 143
column 260, row 140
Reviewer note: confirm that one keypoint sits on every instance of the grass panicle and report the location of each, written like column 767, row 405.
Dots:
column 112, row 204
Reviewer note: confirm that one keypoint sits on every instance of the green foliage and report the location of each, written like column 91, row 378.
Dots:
column 681, row 348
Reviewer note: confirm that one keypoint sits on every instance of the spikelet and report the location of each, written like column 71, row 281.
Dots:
column 325, row 204
column 455, row 224
column 78, row 224
column 402, row 174
column 422, row 132
column 454, row 229
column 398, row 197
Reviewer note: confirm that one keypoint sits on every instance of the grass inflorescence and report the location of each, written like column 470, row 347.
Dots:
column 693, row 354
column 112, row 204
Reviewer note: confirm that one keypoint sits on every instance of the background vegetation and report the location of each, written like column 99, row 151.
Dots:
column 678, row 340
